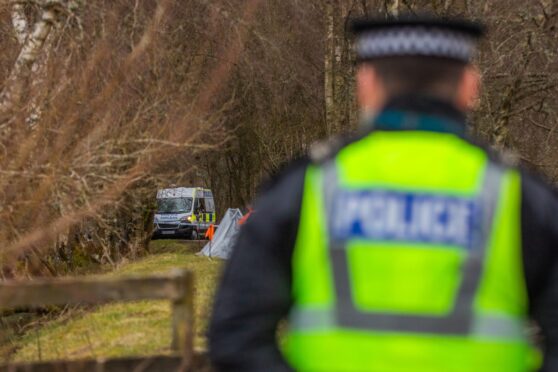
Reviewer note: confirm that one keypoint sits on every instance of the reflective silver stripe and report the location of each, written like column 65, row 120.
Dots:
column 484, row 326
column 499, row 327
column 461, row 319
column 306, row 319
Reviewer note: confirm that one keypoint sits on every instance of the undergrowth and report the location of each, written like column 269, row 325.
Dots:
column 124, row 329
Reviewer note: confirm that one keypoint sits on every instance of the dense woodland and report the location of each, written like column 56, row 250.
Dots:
column 102, row 102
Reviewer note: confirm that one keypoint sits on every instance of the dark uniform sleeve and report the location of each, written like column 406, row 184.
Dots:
column 540, row 258
column 255, row 291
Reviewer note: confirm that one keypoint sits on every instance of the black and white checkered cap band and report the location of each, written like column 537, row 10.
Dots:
column 422, row 41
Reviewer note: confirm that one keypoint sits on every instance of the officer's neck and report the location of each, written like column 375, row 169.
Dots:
column 426, row 105
column 419, row 112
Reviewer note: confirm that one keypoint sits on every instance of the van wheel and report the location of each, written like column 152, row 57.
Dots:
column 194, row 235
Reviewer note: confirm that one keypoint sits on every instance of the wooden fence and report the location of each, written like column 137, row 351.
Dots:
column 176, row 287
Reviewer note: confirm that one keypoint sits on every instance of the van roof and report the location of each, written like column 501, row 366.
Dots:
column 184, row 192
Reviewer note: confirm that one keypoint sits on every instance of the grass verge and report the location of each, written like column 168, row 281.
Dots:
column 126, row 329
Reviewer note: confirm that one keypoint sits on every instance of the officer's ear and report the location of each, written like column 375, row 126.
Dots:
column 468, row 92
column 371, row 93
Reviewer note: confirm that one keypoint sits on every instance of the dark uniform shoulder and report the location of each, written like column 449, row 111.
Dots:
column 325, row 150
column 288, row 170
column 503, row 157
column 537, row 185
column 289, row 177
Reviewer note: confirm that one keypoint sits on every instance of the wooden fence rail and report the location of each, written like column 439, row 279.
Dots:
column 176, row 287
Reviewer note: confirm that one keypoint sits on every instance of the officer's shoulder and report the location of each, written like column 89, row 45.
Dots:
column 533, row 182
column 287, row 172
column 318, row 153
column 536, row 185
column 502, row 157
column 322, row 151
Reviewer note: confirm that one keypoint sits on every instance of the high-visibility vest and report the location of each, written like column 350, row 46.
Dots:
column 204, row 217
column 408, row 258
column 209, row 217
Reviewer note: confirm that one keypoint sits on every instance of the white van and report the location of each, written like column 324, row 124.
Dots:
column 183, row 212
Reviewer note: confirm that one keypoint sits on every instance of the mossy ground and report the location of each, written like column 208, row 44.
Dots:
column 126, row 329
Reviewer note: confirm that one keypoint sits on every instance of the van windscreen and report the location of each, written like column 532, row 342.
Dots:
column 174, row 205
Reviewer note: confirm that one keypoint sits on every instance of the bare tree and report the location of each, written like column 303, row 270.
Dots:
column 114, row 123
column 132, row 96
column 32, row 37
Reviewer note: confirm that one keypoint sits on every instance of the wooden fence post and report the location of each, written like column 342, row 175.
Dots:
column 177, row 287
column 183, row 315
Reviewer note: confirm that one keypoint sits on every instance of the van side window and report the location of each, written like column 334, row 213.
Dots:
column 210, row 205
column 197, row 206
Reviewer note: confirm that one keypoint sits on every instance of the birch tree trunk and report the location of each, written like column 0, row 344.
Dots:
column 338, row 69
column 32, row 45
column 329, row 67
column 392, row 7
column 19, row 22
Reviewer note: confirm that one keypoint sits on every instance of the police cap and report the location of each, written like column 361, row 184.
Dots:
column 416, row 35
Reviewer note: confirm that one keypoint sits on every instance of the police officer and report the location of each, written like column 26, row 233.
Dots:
column 408, row 248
